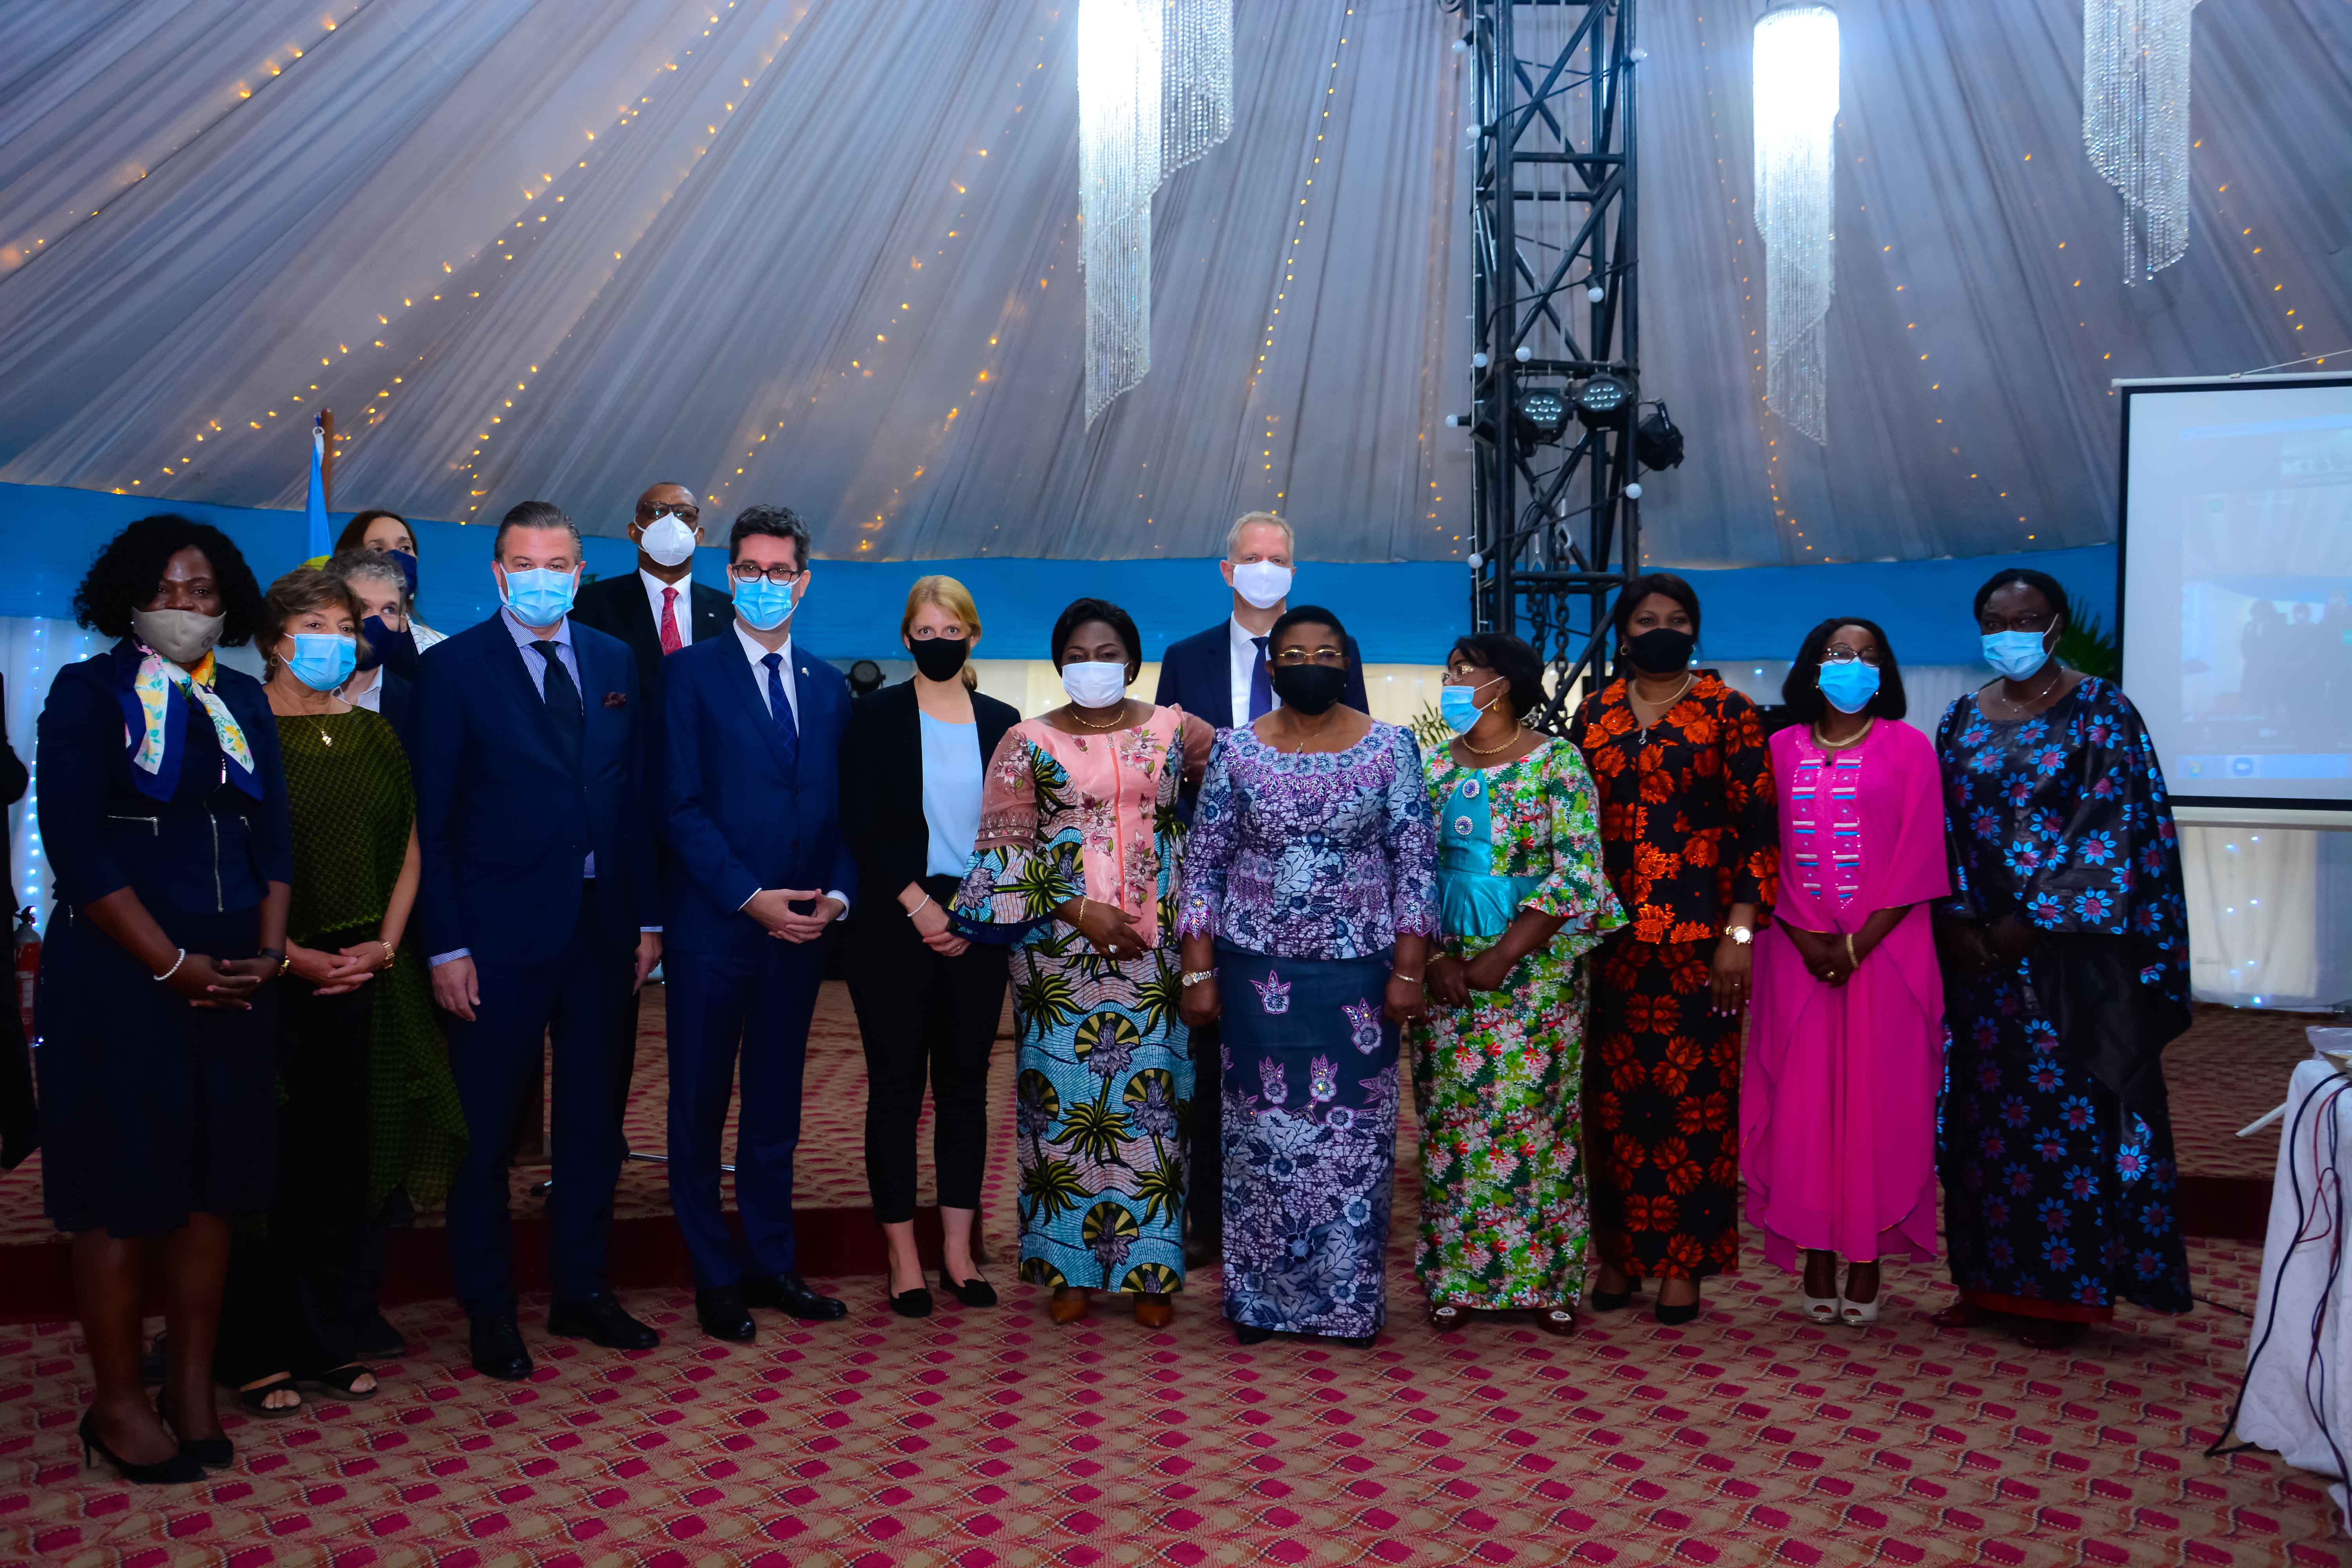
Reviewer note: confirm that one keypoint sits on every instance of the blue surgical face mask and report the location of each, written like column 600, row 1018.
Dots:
column 1458, row 706
column 323, row 662
column 764, row 605
column 2016, row 655
column 1849, row 684
column 541, row 595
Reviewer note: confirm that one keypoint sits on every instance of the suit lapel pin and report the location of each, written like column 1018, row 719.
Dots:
column 616, row 700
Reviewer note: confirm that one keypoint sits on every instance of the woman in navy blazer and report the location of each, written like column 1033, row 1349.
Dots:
column 910, row 776
column 164, row 815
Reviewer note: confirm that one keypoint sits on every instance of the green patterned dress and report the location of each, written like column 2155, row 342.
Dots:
column 1103, row 1102
column 353, row 806
column 1503, row 1217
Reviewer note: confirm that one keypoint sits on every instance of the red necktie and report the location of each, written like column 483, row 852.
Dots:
column 671, row 641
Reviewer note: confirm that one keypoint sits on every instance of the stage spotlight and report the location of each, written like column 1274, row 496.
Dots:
column 1603, row 400
column 1542, row 415
column 1657, row 441
column 865, row 678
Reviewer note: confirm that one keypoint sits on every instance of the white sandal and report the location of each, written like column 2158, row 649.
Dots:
column 1822, row 1309
column 1857, row 1314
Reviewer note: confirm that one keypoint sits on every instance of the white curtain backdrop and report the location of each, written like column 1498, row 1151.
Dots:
column 825, row 251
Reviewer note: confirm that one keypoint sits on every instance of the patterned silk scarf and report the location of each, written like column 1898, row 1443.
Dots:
column 154, row 756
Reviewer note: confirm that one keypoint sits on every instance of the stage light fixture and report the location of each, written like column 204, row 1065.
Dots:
column 1602, row 399
column 1542, row 415
column 1658, row 441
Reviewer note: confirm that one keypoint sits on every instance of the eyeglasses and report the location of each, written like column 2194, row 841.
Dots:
column 1295, row 655
column 751, row 571
column 1839, row 653
column 689, row 515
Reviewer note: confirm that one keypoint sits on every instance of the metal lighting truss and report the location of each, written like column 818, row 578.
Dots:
column 1555, row 303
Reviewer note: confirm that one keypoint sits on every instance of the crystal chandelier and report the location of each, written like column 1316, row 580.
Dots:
column 1796, row 66
column 1155, row 92
column 2136, row 121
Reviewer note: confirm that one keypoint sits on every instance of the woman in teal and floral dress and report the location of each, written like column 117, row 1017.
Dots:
column 1498, row 1065
column 1076, row 864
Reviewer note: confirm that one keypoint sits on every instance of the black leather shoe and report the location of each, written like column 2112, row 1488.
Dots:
column 599, row 1320
column 495, row 1340
column 723, row 1315
column 791, row 1293
column 1250, row 1334
column 973, row 1292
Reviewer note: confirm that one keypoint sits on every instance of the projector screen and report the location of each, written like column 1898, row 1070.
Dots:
column 2236, row 542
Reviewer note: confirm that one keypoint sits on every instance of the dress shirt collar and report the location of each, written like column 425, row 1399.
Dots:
column 524, row 637
column 755, row 653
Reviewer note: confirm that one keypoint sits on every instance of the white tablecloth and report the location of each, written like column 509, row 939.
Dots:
column 2288, row 1388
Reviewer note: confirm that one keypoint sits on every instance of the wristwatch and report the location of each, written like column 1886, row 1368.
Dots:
column 1739, row 934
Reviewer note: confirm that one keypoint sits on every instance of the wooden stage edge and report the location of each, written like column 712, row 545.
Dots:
column 37, row 1279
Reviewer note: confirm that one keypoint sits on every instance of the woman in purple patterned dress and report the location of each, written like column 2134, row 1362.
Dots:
column 1309, row 890
column 2065, row 954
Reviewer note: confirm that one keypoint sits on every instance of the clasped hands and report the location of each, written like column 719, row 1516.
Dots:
column 1451, row 980
column 332, row 974
column 773, row 907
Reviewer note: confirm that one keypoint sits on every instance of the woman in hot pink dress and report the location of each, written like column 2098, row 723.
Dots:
column 1837, row 1124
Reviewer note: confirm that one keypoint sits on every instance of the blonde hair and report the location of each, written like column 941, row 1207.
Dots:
column 953, row 597
column 1271, row 519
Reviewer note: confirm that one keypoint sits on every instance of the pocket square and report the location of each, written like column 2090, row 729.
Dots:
column 616, row 700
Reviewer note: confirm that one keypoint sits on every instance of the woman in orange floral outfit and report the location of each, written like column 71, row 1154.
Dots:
column 1690, row 840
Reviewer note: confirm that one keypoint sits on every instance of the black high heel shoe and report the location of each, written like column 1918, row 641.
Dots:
column 1614, row 1300
column 973, row 1292
column 178, row 1471
column 212, row 1453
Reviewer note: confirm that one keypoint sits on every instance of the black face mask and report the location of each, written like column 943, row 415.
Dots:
column 1663, row 651
column 1311, row 689
column 940, row 658
column 396, row 651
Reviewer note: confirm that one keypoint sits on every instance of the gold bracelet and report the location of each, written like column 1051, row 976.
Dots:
column 390, row 952
column 1851, row 960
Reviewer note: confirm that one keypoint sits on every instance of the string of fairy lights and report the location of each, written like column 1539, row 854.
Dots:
column 507, row 250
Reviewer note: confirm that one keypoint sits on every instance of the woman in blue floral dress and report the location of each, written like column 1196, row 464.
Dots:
column 2065, row 955
column 1310, row 899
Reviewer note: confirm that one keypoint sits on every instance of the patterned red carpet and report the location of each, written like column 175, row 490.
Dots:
column 984, row 1438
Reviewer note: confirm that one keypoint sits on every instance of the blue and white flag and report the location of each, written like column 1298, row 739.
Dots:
column 320, row 540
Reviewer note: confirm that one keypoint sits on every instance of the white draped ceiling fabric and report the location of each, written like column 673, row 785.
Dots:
column 827, row 252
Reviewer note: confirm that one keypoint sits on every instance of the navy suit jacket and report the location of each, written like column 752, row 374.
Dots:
column 737, row 819
column 505, row 820
column 1196, row 674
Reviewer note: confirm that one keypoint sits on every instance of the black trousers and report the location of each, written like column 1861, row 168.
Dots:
column 301, row 1288
column 918, row 1010
column 1204, row 1205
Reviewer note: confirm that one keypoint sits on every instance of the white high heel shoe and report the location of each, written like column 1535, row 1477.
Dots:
column 1857, row 1314
column 1820, row 1310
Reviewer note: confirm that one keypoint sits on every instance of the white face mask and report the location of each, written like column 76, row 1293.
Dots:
column 1265, row 583
column 1094, row 685
column 668, row 540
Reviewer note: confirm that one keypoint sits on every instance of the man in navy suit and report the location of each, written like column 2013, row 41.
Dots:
column 540, row 915
column 1221, row 675
column 759, row 872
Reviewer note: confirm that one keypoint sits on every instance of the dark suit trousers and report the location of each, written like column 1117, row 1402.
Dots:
column 917, row 1009
column 721, row 1003
column 575, row 998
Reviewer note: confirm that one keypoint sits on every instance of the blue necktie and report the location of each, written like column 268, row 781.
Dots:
column 1261, row 685
column 779, row 709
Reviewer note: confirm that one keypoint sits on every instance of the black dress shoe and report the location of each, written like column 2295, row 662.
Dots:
column 1250, row 1334
column 599, row 1320
column 723, row 1315
column 379, row 1341
column 495, row 1340
column 914, row 1303
column 791, row 1293
column 973, row 1292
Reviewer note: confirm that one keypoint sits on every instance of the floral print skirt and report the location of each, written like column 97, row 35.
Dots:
column 1661, row 1109
column 1503, row 1220
column 1101, row 1105
column 1310, row 1118
column 2048, row 1213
